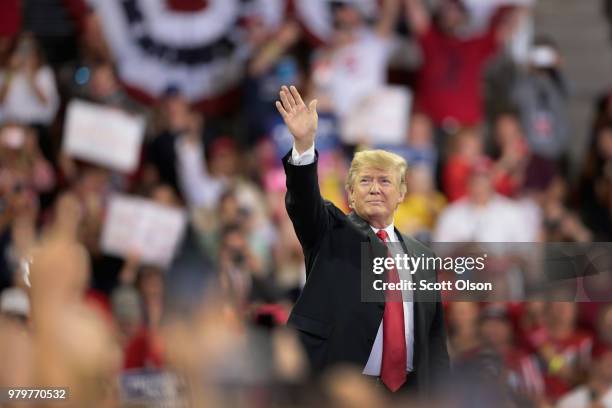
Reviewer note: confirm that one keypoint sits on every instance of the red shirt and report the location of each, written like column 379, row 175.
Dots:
column 456, row 177
column 450, row 80
column 576, row 351
column 144, row 350
column 10, row 18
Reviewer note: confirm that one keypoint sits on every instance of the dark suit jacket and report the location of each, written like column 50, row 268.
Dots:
column 333, row 323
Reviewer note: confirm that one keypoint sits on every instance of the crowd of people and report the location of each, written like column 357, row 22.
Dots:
column 485, row 131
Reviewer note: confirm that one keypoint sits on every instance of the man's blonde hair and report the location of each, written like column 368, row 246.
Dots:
column 379, row 159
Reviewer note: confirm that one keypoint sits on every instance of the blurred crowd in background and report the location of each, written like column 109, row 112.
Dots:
column 486, row 134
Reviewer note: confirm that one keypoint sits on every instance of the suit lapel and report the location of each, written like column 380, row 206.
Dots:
column 419, row 311
column 378, row 248
column 373, row 248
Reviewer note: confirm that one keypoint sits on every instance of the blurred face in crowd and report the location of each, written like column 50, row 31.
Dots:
column 257, row 31
column 234, row 247
column 496, row 332
column 375, row 195
column 17, row 196
column 94, row 180
column 561, row 313
column 462, row 315
column 165, row 195
column 104, row 85
column 177, row 112
column 229, row 209
column 151, row 283
column 452, row 16
column 346, row 19
column 508, row 130
column 420, row 132
column 420, row 180
column 347, row 16
column 604, row 142
column 603, row 367
column 480, row 188
column 535, row 313
column 234, row 241
column 604, row 327
column 223, row 161
column 468, row 145
column 26, row 55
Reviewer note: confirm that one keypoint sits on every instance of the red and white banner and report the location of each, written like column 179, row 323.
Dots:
column 200, row 48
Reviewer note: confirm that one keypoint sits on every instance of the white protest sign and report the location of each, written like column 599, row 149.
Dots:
column 106, row 136
column 382, row 117
column 152, row 230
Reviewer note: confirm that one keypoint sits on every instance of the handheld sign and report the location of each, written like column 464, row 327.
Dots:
column 105, row 136
column 152, row 230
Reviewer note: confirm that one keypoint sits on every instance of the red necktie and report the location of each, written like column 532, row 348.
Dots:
column 393, row 369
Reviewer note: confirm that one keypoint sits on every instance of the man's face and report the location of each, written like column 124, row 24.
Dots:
column 452, row 16
column 375, row 195
column 346, row 17
column 508, row 130
column 604, row 367
column 480, row 188
column 562, row 312
column 496, row 332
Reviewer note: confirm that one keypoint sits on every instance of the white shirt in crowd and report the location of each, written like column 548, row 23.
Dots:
column 199, row 187
column 21, row 104
column 500, row 220
column 581, row 398
column 354, row 71
column 374, row 362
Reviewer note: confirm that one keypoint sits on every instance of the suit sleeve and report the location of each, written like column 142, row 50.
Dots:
column 304, row 203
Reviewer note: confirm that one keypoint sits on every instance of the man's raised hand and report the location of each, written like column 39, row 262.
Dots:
column 300, row 119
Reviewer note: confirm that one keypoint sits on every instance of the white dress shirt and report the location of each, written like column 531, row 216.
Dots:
column 374, row 362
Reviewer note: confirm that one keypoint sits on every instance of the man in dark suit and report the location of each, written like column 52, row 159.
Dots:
column 403, row 343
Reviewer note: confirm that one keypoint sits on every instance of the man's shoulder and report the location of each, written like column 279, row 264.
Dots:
column 336, row 213
column 416, row 246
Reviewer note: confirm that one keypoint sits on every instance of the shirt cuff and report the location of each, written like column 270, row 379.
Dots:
column 308, row 157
